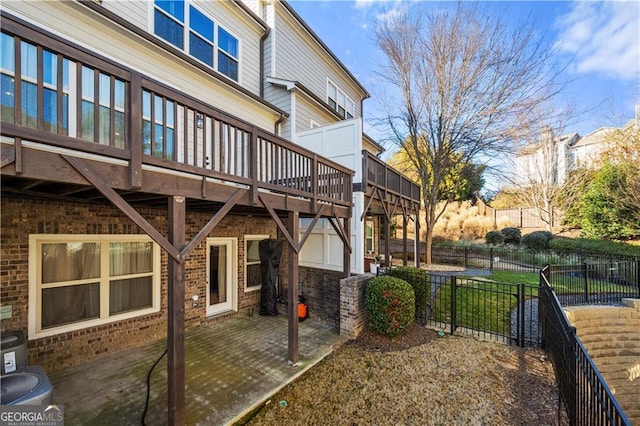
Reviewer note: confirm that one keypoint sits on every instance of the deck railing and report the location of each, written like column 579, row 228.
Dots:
column 61, row 95
column 384, row 177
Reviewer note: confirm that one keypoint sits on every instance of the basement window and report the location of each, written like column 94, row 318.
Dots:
column 253, row 274
column 80, row 281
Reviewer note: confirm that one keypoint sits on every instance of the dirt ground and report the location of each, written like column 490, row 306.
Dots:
column 423, row 379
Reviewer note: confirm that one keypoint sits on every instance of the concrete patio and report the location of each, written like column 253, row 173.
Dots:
column 232, row 366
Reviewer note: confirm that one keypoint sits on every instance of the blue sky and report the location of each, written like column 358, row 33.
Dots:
column 600, row 42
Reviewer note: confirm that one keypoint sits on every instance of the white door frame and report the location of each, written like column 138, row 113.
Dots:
column 231, row 304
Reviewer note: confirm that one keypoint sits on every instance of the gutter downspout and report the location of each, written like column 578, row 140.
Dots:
column 262, row 40
column 276, row 126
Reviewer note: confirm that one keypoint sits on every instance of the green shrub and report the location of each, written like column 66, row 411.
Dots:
column 511, row 235
column 494, row 238
column 420, row 281
column 390, row 303
column 538, row 240
column 587, row 246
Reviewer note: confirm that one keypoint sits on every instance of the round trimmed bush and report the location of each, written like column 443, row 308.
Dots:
column 538, row 240
column 511, row 235
column 390, row 303
column 420, row 281
column 494, row 238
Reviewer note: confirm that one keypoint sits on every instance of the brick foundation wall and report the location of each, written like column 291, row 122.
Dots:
column 22, row 217
column 321, row 288
column 611, row 335
column 353, row 317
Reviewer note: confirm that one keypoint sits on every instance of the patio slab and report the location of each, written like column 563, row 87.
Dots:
column 231, row 367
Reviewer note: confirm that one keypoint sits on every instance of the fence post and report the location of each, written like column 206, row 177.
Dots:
column 542, row 300
column 491, row 259
column 638, row 277
column 585, row 271
column 521, row 314
column 466, row 257
column 454, row 281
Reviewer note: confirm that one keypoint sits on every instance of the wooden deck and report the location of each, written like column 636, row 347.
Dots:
column 149, row 140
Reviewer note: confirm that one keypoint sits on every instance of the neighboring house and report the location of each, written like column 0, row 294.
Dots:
column 552, row 158
column 324, row 105
column 147, row 148
column 547, row 161
column 586, row 151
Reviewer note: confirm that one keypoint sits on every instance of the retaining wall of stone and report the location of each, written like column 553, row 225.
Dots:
column 611, row 335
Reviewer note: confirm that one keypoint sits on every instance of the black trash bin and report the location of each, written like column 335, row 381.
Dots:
column 270, row 254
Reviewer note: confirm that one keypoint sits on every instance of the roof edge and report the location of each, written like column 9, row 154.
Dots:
column 307, row 28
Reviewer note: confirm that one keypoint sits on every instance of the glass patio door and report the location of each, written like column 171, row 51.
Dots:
column 221, row 276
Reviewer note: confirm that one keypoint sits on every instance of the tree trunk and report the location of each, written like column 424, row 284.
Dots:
column 428, row 244
column 429, row 221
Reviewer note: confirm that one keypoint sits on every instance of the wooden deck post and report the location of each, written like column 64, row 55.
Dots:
column 346, row 252
column 387, row 243
column 416, row 238
column 405, row 222
column 293, row 225
column 175, row 333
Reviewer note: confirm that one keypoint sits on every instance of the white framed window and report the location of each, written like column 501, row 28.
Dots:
column 80, row 281
column 350, row 109
column 188, row 28
column 339, row 101
column 368, row 236
column 252, row 273
column 332, row 95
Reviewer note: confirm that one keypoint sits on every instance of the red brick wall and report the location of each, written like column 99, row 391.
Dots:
column 22, row 217
column 321, row 289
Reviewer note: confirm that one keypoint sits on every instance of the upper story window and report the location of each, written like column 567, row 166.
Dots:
column 189, row 29
column 158, row 126
column 44, row 90
column 339, row 101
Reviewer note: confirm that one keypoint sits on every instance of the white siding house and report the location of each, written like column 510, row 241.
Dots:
column 324, row 105
column 564, row 154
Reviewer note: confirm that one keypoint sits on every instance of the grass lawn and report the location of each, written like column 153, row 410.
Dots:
column 562, row 286
column 480, row 305
column 486, row 302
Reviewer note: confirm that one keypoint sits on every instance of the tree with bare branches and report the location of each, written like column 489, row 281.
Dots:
column 464, row 79
column 541, row 165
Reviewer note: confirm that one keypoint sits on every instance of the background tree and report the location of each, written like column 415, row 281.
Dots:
column 508, row 198
column 460, row 184
column 604, row 215
column 464, row 78
column 604, row 200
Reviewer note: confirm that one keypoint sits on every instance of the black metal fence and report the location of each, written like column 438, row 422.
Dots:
column 520, row 260
column 599, row 283
column 499, row 311
column 528, row 315
column 583, row 391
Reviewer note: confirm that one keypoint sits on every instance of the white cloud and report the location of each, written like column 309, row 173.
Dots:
column 367, row 3
column 604, row 37
column 368, row 12
column 389, row 15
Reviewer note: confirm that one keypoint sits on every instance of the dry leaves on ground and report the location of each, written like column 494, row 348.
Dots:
column 420, row 379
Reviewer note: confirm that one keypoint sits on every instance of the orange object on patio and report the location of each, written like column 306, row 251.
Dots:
column 303, row 312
